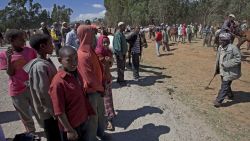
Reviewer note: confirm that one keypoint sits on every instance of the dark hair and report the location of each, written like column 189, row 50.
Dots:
column 38, row 39
column 12, row 34
column 88, row 22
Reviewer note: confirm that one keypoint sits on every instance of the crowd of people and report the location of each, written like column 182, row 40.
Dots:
column 228, row 61
column 74, row 102
column 78, row 95
column 181, row 33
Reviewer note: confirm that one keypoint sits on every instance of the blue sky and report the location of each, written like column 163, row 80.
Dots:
column 83, row 9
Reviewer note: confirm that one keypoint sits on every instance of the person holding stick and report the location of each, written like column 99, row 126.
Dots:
column 228, row 65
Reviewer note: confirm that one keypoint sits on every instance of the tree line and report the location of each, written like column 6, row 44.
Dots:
column 144, row 12
column 25, row 14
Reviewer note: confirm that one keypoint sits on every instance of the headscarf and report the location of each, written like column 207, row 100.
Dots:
column 86, row 35
column 89, row 66
column 100, row 49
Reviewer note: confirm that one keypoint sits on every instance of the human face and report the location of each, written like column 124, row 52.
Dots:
column 18, row 43
column 69, row 61
column 76, row 26
column 231, row 18
column 65, row 25
column 122, row 27
column 137, row 29
column 224, row 43
column 105, row 42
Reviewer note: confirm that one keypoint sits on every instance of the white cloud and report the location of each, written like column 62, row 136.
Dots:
column 97, row 6
column 91, row 16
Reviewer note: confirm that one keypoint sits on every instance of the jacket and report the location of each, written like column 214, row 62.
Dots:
column 231, row 63
column 41, row 73
column 120, row 44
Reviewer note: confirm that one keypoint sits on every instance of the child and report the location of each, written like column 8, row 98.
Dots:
column 158, row 40
column 106, row 58
column 41, row 71
column 68, row 98
column 13, row 61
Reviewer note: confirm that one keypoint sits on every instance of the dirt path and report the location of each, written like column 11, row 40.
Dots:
column 144, row 112
column 168, row 104
column 191, row 67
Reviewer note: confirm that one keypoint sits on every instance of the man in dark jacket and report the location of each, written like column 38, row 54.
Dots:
column 135, row 43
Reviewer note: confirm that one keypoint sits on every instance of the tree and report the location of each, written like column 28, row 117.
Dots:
column 61, row 13
column 24, row 14
column 174, row 11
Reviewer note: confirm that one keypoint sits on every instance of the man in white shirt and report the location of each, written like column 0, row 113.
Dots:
column 71, row 37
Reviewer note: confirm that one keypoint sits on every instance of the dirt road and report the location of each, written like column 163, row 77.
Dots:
column 191, row 67
column 169, row 103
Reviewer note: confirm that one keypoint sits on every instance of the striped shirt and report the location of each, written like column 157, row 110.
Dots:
column 136, row 47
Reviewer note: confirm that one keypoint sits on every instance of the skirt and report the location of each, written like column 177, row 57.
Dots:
column 108, row 102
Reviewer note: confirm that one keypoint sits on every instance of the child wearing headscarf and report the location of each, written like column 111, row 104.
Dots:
column 105, row 56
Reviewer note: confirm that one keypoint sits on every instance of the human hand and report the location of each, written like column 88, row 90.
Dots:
column 72, row 135
column 9, row 53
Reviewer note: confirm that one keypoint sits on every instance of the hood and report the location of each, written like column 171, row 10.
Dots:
column 86, row 36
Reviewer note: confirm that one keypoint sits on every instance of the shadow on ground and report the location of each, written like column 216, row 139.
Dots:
column 172, row 44
column 124, row 118
column 148, row 132
column 152, row 67
column 173, row 49
column 239, row 97
column 245, row 57
column 166, row 54
column 155, row 76
column 8, row 116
